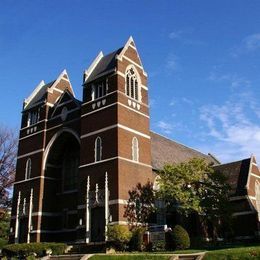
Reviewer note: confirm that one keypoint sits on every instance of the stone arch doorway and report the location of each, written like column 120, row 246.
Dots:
column 59, row 210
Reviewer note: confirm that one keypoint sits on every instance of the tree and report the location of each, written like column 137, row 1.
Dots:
column 8, row 152
column 4, row 227
column 194, row 186
column 140, row 204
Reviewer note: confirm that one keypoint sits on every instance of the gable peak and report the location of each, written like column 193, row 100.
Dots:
column 63, row 75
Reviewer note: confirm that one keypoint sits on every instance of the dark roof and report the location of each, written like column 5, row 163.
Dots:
column 40, row 96
column 107, row 63
column 165, row 151
column 237, row 175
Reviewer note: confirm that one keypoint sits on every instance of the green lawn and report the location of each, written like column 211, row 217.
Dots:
column 252, row 252
column 236, row 253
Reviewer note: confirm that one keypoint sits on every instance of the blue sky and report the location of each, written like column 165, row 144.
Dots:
column 202, row 59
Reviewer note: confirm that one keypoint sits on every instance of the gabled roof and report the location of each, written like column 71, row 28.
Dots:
column 101, row 65
column 105, row 64
column 166, row 151
column 237, row 175
column 63, row 99
column 39, row 93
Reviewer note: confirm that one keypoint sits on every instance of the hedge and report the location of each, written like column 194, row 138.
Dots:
column 33, row 248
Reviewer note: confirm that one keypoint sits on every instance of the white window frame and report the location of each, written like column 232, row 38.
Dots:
column 96, row 149
column 132, row 77
column 28, row 169
column 99, row 90
column 135, row 149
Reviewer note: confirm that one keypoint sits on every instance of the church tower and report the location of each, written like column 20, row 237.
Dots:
column 77, row 160
column 115, row 133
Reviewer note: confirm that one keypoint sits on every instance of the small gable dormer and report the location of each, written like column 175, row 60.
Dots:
column 65, row 105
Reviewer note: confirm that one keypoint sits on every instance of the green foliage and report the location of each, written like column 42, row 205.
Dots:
column 119, row 235
column 24, row 250
column 157, row 246
column 194, row 186
column 4, row 228
column 140, row 204
column 136, row 242
column 180, row 238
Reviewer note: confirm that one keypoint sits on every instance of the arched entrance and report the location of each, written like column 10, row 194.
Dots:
column 59, row 209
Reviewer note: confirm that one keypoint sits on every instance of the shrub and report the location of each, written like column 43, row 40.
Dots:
column 136, row 242
column 119, row 236
column 23, row 250
column 180, row 238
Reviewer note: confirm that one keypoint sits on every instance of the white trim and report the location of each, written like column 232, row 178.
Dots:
column 34, row 178
column 61, row 76
column 33, row 94
column 49, row 104
column 64, row 103
column 243, row 213
column 237, row 198
column 54, row 137
column 117, row 201
column 129, row 160
column 116, row 103
column 53, row 231
column 32, row 134
column 97, row 110
column 249, row 173
column 44, row 130
column 257, row 176
column 136, row 64
column 69, row 111
column 133, row 131
column 43, row 120
column 114, row 158
column 119, row 223
column 97, row 99
column 46, row 214
column 96, row 155
column 252, row 197
column 92, row 66
column 114, row 126
column 98, row 131
column 255, row 164
column 58, row 90
column 110, row 202
column 98, row 162
column 138, row 112
column 130, row 39
column 27, row 154
column 132, row 46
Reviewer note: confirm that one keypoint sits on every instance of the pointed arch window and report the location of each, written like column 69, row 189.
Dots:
column 28, row 169
column 132, row 86
column 135, row 149
column 98, row 149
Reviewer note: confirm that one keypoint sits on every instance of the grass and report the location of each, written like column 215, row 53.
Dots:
column 235, row 253
column 250, row 252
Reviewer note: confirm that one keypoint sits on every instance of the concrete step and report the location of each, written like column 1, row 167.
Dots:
column 67, row 257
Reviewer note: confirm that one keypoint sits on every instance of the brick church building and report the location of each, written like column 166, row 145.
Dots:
column 77, row 160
